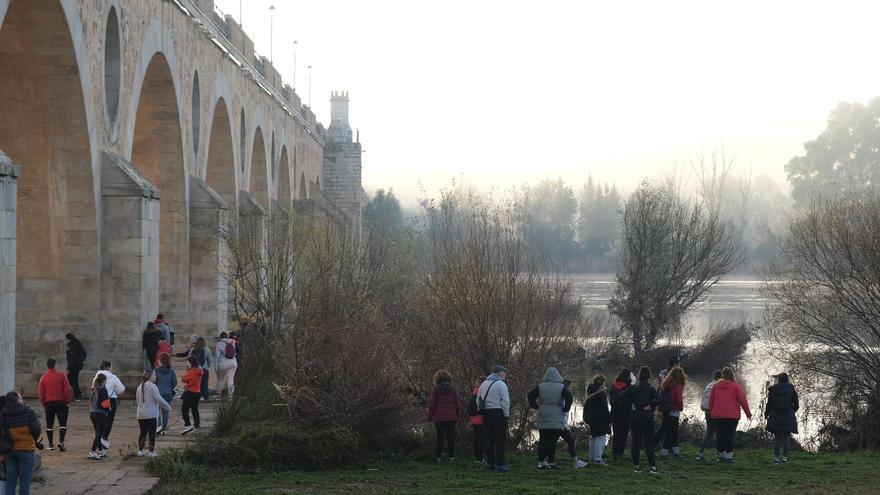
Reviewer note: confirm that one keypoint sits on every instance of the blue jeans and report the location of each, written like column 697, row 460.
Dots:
column 163, row 414
column 19, row 469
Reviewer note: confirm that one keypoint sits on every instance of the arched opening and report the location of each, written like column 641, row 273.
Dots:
column 242, row 143
column 303, row 191
column 259, row 186
column 274, row 163
column 112, row 66
column 43, row 128
column 157, row 152
column 196, row 113
column 220, row 174
column 318, row 182
column 284, row 186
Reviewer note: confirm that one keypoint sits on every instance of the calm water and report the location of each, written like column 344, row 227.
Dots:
column 731, row 301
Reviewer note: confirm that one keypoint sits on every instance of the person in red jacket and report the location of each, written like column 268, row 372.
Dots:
column 672, row 398
column 443, row 411
column 192, row 381
column 476, row 420
column 56, row 395
column 725, row 401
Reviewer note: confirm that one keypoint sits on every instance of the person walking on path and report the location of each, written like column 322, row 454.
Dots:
column 22, row 426
column 225, row 365
column 192, row 381
column 597, row 416
column 725, row 402
column 672, row 404
column 149, row 402
column 166, row 381
column 621, row 411
column 493, row 402
column 782, row 404
column 56, row 395
column 552, row 399
column 203, row 354
column 476, row 421
column 114, row 388
column 710, row 424
column 568, row 436
column 99, row 413
column 76, row 356
column 644, row 399
column 443, row 409
column 150, row 342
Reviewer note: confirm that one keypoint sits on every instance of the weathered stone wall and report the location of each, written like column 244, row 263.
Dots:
column 8, row 176
column 342, row 163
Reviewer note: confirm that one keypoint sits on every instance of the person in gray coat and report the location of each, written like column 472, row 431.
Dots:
column 782, row 404
column 553, row 400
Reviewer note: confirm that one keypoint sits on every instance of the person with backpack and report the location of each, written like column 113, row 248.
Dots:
column 476, row 421
column 21, row 427
column 226, row 365
column 114, row 388
column 76, row 357
column 443, row 411
column 569, row 437
column 166, row 381
column 99, row 413
column 782, row 404
column 552, row 399
column 597, row 416
column 56, row 395
column 150, row 343
column 672, row 404
column 644, row 399
column 710, row 424
column 621, row 411
column 725, row 401
column 192, row 381
column 493, row 403
column 149, row 402
column 165, row 328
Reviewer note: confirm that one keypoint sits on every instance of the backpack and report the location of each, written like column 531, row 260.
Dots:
column 472, row 406
column 229, row 350
column 481, row 401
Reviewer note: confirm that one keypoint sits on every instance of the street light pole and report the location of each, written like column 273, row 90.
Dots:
column 295, row 43
column 271, row 31
column 310, row 86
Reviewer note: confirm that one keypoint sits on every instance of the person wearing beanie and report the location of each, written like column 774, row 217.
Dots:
column 493, row 403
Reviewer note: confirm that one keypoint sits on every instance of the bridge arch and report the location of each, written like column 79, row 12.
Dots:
column 220, row 168
column 284, row 186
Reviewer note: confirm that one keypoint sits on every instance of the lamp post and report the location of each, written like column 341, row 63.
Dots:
column 310, row 87
column 271, row 31
column 295, row 43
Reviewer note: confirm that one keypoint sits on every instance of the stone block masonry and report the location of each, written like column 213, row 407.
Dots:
column 8, row 177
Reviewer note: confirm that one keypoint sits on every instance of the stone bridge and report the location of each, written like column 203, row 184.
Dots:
column 130, row 132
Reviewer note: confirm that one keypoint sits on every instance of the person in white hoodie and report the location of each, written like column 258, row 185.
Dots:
column 114, row 388
column 149, row 402
column 710, row 425
column 493, row 403
column 225, row 365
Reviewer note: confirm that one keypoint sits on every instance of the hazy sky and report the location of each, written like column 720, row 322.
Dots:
column 500, row 93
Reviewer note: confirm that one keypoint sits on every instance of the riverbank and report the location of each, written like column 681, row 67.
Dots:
column 754, row 473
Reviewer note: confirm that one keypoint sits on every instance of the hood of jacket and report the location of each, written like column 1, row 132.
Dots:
column 14, row 409
column 724, row 384
column 552, row 375
column 444, row 388
column 593, row 387
column 493, row 376
column 618, row 385
column 781, row 387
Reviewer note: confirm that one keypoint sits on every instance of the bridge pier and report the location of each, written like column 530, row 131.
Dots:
column 209, row 221
column 8, row 191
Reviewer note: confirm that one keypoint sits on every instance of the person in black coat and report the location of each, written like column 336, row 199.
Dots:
column 782, row 404
column 644, row 399
column 76, row 356
column 152, row 336
column 596, row 415
column 621, row 410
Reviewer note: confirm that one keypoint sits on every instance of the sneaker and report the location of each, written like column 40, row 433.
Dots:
column 105, row 443
column 637, row 470
column 186, row 430
column 701, row 457
column 152, row 454
column 140, row 453
column 51, row 446
column 655, row 471
column 502, row 469
column 94, row 456
column 160, row 430
column 543, row 465
column 785, row 460
column 102, row 454
column 776, row 461
column 580, row 464
column 61, row 447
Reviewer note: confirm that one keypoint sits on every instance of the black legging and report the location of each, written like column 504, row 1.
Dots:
column 479, row 442
column 190, row 403
column 642, row 429
column 99, row 422
column 495, row 423
column 110, row 417
column 547, row 445
column 781, row 440
column 445, row 433
column 668, row 432
column 620, row 428
column 73, row 380
column 569, row 440
column 148, row 428
column 725, row 429
column 59, row 409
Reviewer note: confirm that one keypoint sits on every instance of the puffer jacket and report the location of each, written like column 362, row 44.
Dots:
column 621, row 408
column 726, row 399
column 443, row 403
column 166, row 380
column 596, row 412
column 22, row 425
column 552, row 399
column 782, row 404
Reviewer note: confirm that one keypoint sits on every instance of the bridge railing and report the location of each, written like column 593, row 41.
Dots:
column 218, row 32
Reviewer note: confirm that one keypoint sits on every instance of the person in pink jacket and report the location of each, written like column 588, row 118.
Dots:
column 725, row 402
column 443, row 411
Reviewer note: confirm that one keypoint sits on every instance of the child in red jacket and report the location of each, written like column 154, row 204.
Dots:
column 443, row 411
column 725, row 401
column 56, row 395
column 192, row 381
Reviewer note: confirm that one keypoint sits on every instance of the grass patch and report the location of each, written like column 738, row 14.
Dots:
column 809, row 473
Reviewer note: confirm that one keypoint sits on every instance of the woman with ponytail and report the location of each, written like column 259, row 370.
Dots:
column 99, row 407
column 149, row 401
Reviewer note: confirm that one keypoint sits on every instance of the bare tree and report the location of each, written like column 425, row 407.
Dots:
column 824, row 304
column 712, row 173
column 672, row 252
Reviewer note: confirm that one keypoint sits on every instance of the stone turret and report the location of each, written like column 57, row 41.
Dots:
column 342, row 162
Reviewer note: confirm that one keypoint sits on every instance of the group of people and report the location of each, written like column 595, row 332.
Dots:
column 627, row 411
column 21, row 430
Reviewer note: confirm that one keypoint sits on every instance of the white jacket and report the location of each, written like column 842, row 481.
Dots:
column 149, row 400
column 495, row 396
column 113, row 385
column 707, row 392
